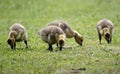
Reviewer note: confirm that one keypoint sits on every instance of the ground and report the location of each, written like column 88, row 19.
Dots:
column 82, row 15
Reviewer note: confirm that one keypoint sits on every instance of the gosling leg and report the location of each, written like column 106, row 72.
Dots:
column 50, row 47
column 100, row 38
column 26, row 43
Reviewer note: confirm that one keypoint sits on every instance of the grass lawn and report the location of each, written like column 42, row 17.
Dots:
column 82, row 15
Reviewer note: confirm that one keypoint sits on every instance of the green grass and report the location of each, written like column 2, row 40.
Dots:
column 82, row 15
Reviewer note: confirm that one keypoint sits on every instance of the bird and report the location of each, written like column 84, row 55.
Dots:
column 105, row 28
column 52, row 35
column 69, row 32
column 17, row 33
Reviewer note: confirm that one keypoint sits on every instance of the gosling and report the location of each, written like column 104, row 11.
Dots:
column 70, row 33
column 17, row 33
column 105, row 28
column 52, row 35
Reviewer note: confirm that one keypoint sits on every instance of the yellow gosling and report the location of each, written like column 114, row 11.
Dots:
column 105, row 28
column 17, row 33
column 69, row 32
column 52, row 35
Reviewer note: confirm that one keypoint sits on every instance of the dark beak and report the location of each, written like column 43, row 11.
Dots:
column 60, row 48
column 80, row 44
column 108, row 41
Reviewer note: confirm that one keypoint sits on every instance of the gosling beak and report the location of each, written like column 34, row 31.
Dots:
column 108, row 41
column 80, row 44
column 60, row 48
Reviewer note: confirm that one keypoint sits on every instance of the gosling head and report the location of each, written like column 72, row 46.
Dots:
column 107, row 35
column 61, row 41
column 11, row 42
column 78, row 38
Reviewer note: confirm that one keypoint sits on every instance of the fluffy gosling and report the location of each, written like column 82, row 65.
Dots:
column 70, row 33
column 17, row 33
column 52, row 35
column 105, row 28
